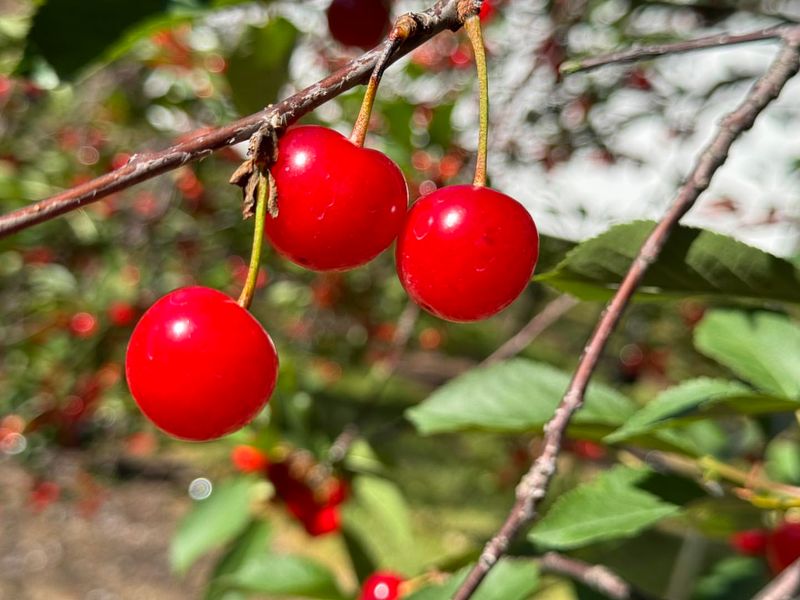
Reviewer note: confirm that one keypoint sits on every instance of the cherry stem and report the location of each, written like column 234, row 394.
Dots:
column 472, row 24
column 246, row 297
column 401, row 30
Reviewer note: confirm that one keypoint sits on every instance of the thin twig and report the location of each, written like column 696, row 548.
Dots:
column 596, row 577
column 540, row 321
column 442, row 15
column 644, row 52
column 785, row 586
column 536, row 481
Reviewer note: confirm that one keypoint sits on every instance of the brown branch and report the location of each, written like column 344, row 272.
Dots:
column 540, row 321
column 536, row 481
column 596, row 577
column 644, row 52
column 785, row 586
column 442, row 15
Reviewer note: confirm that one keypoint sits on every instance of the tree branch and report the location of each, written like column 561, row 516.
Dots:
column 442, row 15
column 785, row 586
column 540, row 321
column 596, row 577
column 536, row 481
column 642, row 53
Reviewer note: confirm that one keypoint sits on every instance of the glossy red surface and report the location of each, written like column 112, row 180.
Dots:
column 381, row 585
column 199, row 365
column 361, row 23
column 339, row 205
column 783, row 547
column 466, row 252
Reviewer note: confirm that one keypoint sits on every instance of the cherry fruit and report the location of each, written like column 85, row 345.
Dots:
column 339, row 205
column 248, row 459
column 751, row 542
column 466, row 252
column 361, row 23
column 199, row 365
column 783, row 547
column 381, row 585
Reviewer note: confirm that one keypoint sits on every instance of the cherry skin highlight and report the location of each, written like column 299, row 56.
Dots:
column 466, row 252
column 381, row 585
column 339, row 205
column 199, row 365
column 361, row 23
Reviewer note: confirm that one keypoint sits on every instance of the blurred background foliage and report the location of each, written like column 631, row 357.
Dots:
column 84, row 85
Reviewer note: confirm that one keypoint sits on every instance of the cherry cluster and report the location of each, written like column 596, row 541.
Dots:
column 312, row 500
column 200, row 366
column 780, row 546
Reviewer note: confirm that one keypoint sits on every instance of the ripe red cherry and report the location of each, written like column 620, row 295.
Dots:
column 199, row 365
column 339, row 205
column 751, row 542
column 121, row 314
column 783, row 547
column 361, row 23
column 466, row 252
column 248, row 459
column 381, row 585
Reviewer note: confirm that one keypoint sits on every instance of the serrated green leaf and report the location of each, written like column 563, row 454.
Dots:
column 511, row 579
column 249, row 545
column 284, row 575
column 693, row 262
column 762, row 348
column 212, row 522
column 260, row 65
column 513, row 396
column 609, row 507
column 691, row 399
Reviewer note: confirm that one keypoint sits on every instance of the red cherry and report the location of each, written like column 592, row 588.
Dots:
column 248, row 459
column 121, row 314
column 466, row 252
column 381, row 585
column 199, row 365
column 783, row 546
column 339, row 205
column 752, row 542
column 487, row 11
column 83, row 325
column 322, row 520
column 361, row 23
column 43, row 495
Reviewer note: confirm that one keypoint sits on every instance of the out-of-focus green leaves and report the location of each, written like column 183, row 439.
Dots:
column 515, row 396
column 259, row 66
column 249, row 545
column 607, row 508
column 694, row 262
column 734, row 578
column 212, row 522
column 511, row 579
column 783, row 460
column 762, row 348
column 691, row 400
column 284, row 575
column 378, row 505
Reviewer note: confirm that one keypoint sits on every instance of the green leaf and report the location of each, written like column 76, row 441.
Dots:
column 71, row 34
column 260, row 65
column 511, row 579
column 250, row 544
column 609, row 507
column 734, row 578
column 691, row 400
column 514, row 396
column 284, row 575
column 693, row 262
column 762, row 348
column 377, row 504
column 212, row 522
column 783, row 460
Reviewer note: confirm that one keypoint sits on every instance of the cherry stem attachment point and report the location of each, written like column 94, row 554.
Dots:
column 402, row 29
column 472, row 25
column 264, row 186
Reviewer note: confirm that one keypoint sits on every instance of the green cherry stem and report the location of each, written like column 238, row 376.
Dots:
column 401, row 30
column 472, row 24
column 246, row 297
